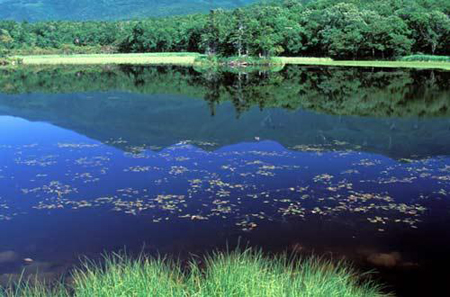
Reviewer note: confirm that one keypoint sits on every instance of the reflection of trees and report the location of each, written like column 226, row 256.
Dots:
column 164, row 120
column 333, row 90
column 375, row 93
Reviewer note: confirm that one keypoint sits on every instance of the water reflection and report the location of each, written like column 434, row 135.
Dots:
column 334, row 90
column 246, row 182
column 398, row 113
column 352, row 163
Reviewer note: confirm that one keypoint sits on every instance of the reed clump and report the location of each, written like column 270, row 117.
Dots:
column 245, row 273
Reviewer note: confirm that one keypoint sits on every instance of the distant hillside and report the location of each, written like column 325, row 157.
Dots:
column 36, row 10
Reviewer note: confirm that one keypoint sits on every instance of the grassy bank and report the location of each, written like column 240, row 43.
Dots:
column 240, row 274
column 426, row 58
column 191, row 59
column 9, row 61
column 102, row 59
column 388, row 64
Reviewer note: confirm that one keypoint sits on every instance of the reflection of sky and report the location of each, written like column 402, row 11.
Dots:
column 46, row 168
column 16, row 131
column 163, row 120
column 63, row 195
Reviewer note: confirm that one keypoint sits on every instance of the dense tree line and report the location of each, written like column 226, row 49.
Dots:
column 335, row 28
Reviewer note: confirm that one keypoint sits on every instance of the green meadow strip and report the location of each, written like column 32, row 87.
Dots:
column 354, row 63
column 191, row 59
column 427, row 58
column 103, row 59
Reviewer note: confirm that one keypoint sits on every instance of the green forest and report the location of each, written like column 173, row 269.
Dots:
column 355, row 29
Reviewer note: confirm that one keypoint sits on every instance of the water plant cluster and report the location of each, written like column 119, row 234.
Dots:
column 235, row 191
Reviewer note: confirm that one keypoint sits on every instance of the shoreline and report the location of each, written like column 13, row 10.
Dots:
column 196, row 59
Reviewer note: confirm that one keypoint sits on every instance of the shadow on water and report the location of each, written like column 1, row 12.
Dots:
column 352, row 163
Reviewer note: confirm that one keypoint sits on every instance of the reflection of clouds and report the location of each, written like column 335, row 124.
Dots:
column 8, row 257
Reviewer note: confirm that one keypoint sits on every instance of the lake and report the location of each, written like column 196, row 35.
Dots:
column 347, row 163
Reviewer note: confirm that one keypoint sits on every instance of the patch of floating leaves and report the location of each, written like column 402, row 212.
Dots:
column 77, row 145
column 43, row 161
column 246, row 187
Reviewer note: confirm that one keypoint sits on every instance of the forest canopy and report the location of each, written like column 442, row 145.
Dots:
column 378, row 29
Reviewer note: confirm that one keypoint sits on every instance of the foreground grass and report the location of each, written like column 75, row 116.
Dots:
column 239, row 274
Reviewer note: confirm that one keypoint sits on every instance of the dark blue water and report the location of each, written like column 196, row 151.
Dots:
column 87, row 172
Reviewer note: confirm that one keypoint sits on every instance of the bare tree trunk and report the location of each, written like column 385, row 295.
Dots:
column 241, row 30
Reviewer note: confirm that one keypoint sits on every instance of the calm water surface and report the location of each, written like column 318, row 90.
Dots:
column 346, row 163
